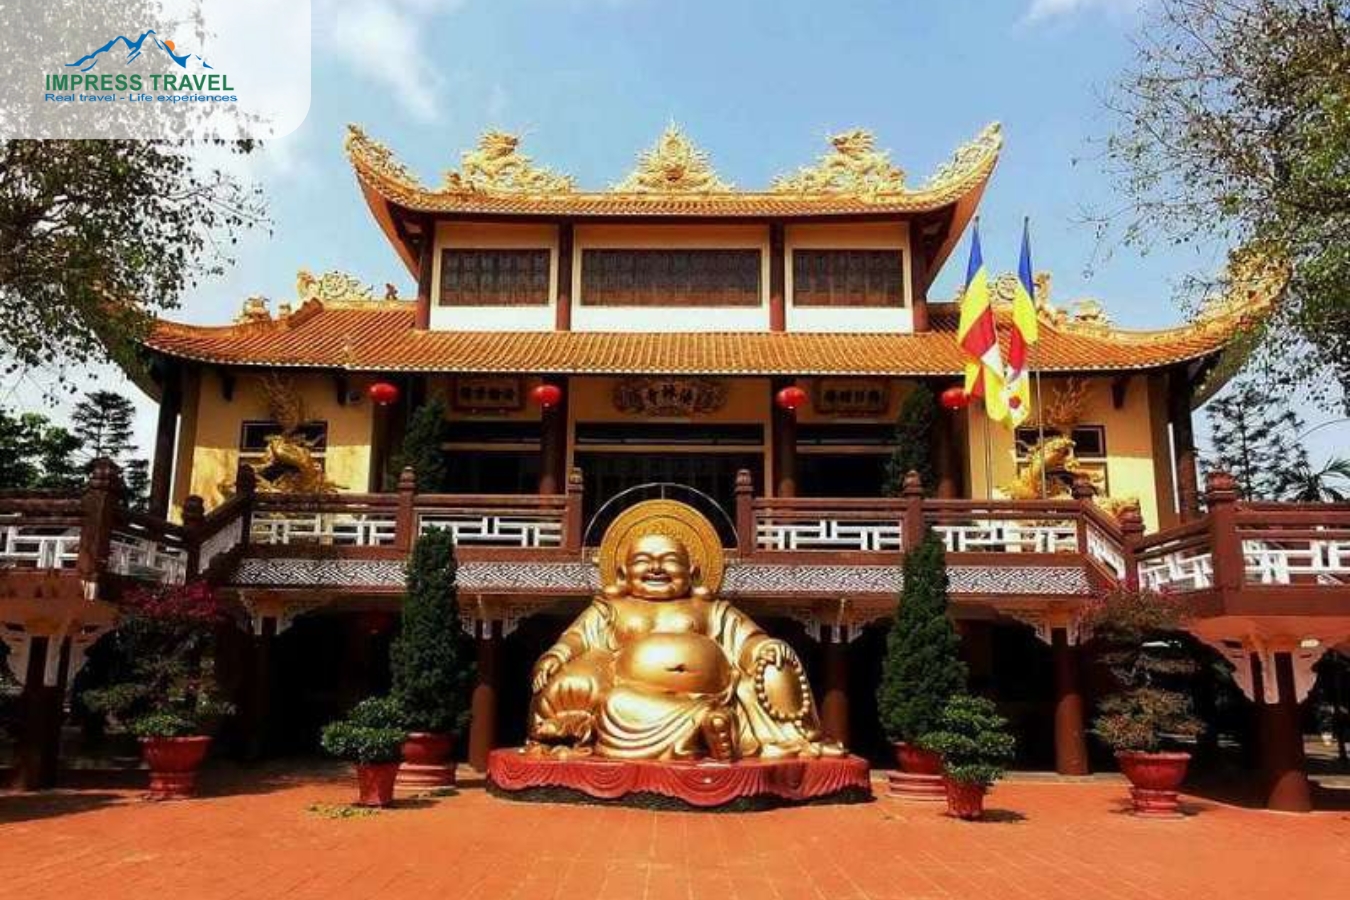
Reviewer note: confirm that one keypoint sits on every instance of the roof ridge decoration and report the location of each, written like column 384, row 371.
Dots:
column 497, row 166
column 366, row 152
column 673, row 165
column 854, row 166
column 969, row 156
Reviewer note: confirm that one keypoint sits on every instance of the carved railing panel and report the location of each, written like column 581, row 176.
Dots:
column 39, row 546
column 809, row 523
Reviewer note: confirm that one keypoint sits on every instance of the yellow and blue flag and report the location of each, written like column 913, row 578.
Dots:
column 977, row 334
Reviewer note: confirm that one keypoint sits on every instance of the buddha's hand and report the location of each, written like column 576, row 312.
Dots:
column 544, row 670
column 777, row 654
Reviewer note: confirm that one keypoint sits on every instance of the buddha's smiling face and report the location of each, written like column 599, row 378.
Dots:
column 657, row 568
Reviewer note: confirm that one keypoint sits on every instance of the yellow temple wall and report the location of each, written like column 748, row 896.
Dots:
column 1136, row 452
column 211, row 430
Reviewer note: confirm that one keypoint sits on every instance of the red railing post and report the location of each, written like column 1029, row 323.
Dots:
column 246, row 489
column 747, row 538
column 911, row 526
column 573, row 510
column 194, row 513
column 405, row 519
column 1082, row 491
column 101, row 498
column 1132, row 531
column 1225, row 546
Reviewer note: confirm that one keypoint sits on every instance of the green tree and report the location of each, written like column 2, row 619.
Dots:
column 922, row 669
column 422, row 447
column 1235, row 129
column 913, row 441
column 1255, row 439
column 34, row 453
column 1328, row 484
column 432, row 659
column 103, row 422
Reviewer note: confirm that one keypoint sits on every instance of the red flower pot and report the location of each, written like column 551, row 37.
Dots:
column 1154, row 780
column 426, row 763
column 173, row 763
column 965, row 799
column 920, row 775
column 375, row 783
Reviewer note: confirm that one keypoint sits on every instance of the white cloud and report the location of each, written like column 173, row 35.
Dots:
column 386, row 41
column 1041, row 10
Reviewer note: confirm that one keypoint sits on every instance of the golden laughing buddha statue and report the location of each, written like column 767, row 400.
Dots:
column 659, row 668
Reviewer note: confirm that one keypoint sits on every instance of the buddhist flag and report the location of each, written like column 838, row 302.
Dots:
column 1025, row 333
column 978, row 336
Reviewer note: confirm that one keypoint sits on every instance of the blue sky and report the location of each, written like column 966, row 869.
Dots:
column 590, row 83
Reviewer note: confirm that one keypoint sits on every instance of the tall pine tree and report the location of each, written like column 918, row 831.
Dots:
column 922, row 668
column 422, row 447
column 103, row 422
column 432, row 659
column 1255, row 439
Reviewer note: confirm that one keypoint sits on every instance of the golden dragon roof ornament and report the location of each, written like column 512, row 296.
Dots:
column 986, row 144
column 379, row 158
column 672, row 165
column 499, row 166
column 855, row 166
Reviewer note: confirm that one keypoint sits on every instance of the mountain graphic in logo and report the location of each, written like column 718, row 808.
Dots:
column 187, row 61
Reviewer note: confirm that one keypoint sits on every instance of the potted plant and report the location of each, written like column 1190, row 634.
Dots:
column 921, row 671
column 1145, row 717
column 371, row 738
column 432, row 663
column 974, row 743
column 163, row 688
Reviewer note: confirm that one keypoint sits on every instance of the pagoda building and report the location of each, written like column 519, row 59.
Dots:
column 748, row 352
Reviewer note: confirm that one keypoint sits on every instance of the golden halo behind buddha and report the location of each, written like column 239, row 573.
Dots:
column 671, row 519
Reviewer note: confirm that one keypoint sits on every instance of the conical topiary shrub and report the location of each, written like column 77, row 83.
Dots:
column 922, row 669
column 432, row 663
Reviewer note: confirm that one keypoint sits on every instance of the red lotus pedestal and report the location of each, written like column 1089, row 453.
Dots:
column 173, row 763
column 1154, row 780
column 705, row 784
column 920, row 775
column 426, row 763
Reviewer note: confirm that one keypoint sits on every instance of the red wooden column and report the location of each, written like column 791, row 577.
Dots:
column 563, row 311
column 777, row 278
column 1070, row 736
column 1280, row 734
column 256, row 710
column 483, row 718
column 784, row 441
column 166, row 433
column 42, row 712
column 834, row 712
column 553, row 442
column 1183, row 446
column 425, row 264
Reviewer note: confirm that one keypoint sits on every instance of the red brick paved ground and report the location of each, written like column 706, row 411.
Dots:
column 1049, row 840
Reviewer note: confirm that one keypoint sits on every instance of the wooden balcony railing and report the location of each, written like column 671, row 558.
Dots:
column 1235, row 547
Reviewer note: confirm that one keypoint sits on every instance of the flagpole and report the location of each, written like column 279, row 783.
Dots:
column 988, row 454
column 1036, row 377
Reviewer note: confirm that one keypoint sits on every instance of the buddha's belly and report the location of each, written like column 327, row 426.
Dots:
column 683, row 663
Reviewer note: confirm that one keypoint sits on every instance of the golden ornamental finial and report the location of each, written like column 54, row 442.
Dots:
column 367, row 153
column 497, row 165
column 672, row 165
column 854, row 166
column 967, row 158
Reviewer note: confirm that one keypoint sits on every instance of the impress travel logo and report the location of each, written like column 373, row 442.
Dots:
column 196, row 80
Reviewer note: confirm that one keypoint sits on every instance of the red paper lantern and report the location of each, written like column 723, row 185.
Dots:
column 547, row 395
column 382, row 393
column 791, row 398
column 954, row 398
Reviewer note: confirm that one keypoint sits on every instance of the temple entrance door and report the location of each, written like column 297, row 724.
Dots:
column 713, row 474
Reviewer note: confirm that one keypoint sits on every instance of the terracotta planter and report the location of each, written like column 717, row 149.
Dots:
column 1154, row 780
column 426, row 763
column 965, row 799
column 173, row 763
column 920, row 776
column 375, row 783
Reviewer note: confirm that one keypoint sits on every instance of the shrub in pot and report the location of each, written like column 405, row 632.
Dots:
column 1137, row 635
column 371, row 738
column 162, row 688
column 921, row 670
column 975, row 746
column 432, row 665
